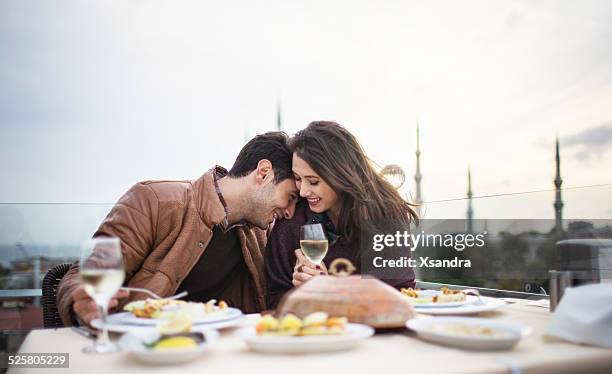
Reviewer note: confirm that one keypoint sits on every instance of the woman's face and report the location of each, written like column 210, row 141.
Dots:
column 321, row 197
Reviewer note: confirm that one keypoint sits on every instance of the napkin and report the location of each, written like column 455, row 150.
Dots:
column 584, row 315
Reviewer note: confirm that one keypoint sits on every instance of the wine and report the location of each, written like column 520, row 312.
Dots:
column 102, row 273
column 314, row 250
column 102, row 283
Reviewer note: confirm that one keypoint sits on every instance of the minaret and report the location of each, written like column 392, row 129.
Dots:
column 278, row 116
column 417, row 176
column 558, row 202
column 470, row 211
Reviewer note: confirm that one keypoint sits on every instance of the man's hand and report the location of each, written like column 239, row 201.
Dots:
column 85, row 308
column 304, row 269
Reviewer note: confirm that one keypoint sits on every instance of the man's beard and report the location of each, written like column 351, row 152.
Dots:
column 261, row 207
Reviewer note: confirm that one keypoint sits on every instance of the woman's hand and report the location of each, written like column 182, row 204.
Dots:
column 304, row 269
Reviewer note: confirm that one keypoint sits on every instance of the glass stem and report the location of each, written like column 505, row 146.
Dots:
column 103, row 338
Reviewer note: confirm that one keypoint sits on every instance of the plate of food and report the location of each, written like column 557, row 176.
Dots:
column 152, row 311
column 443, row 298
column 469, row 332
column 317, row 332
column 174, row 341
column 147, row 313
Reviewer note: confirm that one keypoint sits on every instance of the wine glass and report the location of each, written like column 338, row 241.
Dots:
column 313, row 242
column 102, row 273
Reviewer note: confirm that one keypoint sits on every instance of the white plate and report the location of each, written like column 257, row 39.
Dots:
column 231, row 313
column 305, row 344
column 489, row 304
column 513, row 333
column 116, row 323
column 133, row 342
column 469, row 299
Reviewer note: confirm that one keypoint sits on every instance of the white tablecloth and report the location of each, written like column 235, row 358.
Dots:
column 397, row 352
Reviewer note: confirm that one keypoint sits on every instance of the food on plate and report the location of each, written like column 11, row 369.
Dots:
column 290, row 323
column 150, row 308
column 267, row 323
column 445, row 295
column 175, row 342
column 163, row 342
column 468, row 330
column 176, row 334
column 410, row 292
column 417, row 296
column 318, row 323
column 153, row 308
column 449, row 296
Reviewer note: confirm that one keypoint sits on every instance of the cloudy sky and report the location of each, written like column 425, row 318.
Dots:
column 95, row 96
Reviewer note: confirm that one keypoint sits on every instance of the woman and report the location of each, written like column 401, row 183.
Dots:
column 341, row 190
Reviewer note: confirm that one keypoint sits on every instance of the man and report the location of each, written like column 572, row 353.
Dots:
column 206, row 237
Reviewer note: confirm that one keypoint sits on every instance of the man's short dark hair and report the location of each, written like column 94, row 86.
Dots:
column 271, row 146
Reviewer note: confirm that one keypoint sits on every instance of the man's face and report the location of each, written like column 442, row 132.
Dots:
column 273, row 201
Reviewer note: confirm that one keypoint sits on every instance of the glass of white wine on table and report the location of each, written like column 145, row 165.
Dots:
column 313, row 242
column 102, row 273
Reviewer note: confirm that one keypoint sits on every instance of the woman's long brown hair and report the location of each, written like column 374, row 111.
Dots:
column 368, row 203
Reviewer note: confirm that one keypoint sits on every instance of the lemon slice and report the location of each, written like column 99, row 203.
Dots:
column 178, row 324
column 175, row 342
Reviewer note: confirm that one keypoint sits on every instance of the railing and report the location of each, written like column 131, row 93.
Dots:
column 484, row 291
column 28, row 292
column 37, row 236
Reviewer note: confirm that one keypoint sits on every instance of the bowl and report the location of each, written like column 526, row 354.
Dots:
column 137, row 344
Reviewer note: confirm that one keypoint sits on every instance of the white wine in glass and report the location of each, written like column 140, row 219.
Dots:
column 101, row 283
column 102, row 273
column 313, row 242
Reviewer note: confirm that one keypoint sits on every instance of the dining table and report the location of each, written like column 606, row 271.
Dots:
column 390, row 351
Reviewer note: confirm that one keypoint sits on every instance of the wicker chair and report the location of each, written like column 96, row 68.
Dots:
column 51, row 317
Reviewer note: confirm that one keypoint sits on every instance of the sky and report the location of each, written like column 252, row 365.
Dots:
column 95, row 96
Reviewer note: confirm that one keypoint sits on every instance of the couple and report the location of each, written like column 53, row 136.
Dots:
column 216, row 237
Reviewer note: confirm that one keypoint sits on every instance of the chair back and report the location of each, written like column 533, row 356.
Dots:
column 51, row 317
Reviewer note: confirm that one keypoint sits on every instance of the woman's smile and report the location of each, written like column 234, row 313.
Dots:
column 313, row 201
